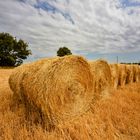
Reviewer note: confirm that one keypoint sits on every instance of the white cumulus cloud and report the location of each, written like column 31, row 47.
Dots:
column 87, row 26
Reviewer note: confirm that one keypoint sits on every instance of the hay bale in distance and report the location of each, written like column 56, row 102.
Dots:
column 139, row 73
column 136, row 77
column 102, row 75
column 114, row 75
column 122, row 74
column 129, row 74
column 60, row 89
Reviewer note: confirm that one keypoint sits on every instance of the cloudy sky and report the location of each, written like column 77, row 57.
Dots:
column 93, row 28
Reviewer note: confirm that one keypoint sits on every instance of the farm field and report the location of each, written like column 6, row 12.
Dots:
column 114, row 117
column 69, row 70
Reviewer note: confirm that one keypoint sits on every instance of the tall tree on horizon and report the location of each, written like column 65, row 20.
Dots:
column 12, row 51
column 63, row 51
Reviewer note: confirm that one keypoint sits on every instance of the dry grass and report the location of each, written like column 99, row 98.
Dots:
column 113, row 118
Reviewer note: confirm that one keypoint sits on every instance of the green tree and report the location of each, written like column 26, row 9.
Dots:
column 63, row 51
column 12, row 52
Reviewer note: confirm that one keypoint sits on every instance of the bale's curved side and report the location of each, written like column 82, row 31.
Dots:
column 14, row 81
column 102, row 75
column 114, row 75
column 122, row 74
column 59, row 89
column 17, row 75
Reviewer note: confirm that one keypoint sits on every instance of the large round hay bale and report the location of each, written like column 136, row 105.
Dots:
column 102, row 75
column 114, row 75
column 129, row 74
column 122, row 74
column 60, row 89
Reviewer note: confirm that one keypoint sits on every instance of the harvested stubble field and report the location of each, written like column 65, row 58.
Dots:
column 114, row 117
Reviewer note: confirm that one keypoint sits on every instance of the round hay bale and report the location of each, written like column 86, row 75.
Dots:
column 114, row 75
column 102, row 75
column 136, row 77
column 60, row 89
column 122, row 74
column 129, row 74
column 139, row 73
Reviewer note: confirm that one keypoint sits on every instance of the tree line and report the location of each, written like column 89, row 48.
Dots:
column 134, row 63
column 13, row 52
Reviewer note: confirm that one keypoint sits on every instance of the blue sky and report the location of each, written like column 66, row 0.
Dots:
column 130, row 3
column 92, row 28
column 46, row 6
